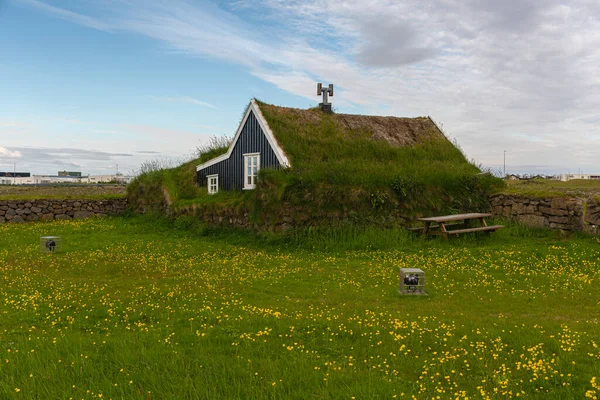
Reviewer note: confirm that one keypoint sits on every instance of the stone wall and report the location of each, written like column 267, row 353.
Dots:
column 288, row 216
column 47, row 210
column 564, row 213
column 561, row 213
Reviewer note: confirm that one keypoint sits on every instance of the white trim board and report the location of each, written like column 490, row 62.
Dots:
column 279, row 153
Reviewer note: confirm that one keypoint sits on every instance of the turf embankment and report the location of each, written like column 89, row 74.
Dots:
column 338, row 167
column 148, row 308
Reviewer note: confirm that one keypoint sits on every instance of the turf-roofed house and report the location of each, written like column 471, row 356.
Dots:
column 313, row 167
column 342, row 148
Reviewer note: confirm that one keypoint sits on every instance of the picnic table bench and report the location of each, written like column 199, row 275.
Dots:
column 447, row 224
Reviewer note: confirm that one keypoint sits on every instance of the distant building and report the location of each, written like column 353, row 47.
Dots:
column 14, row 174
column 64, row 179
column 69, row 173
column 114, row 178
column 569, row 177
column 50, row 179
column 28, row 180
column 8, row 178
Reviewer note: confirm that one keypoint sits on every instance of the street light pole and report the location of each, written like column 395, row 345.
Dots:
column 505, row 163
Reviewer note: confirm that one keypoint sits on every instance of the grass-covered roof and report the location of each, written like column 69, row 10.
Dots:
column 394, row 130
column 368, row 151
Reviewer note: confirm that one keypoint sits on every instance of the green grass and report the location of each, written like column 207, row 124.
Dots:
column 154, row 309
column 62, row 192
column 552, row 188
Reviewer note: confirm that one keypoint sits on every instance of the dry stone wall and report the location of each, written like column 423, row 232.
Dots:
column 288, row 216
column 564, row 213
column 561, row 213
column 47, row 210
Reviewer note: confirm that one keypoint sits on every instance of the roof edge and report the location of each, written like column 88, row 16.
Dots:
column 281, row 156
column 439, row 129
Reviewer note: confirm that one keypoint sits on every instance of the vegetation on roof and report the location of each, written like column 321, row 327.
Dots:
column 158, row 187
column 364, row 151
column 362, row 163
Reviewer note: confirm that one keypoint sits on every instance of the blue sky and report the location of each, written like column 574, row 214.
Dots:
column 86, row 85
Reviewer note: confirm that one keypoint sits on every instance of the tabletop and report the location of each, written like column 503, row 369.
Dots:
column 455, row 217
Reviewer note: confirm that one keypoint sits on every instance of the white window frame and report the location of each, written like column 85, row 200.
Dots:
column 208, row 184
column 247, row 157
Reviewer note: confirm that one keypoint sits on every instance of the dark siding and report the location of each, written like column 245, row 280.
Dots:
column 231, row 171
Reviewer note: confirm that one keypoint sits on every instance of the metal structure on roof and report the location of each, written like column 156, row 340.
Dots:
column 325, row 105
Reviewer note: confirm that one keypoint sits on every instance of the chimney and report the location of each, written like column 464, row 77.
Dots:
column 325, row 105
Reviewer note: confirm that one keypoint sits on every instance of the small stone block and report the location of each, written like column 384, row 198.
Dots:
column 50, row 244
column 412, row 282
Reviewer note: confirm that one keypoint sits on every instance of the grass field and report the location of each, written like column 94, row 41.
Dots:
column 549, row 188
column 135, row 308
column 62, row 192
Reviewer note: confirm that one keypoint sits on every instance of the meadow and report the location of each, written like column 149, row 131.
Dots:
column 553, row 188
column 62, row 192
column 142, row 308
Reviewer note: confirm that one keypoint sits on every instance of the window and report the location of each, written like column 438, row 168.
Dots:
column 251, row 167
column 213, row 184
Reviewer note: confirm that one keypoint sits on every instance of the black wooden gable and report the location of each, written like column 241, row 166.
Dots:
column 251, row 139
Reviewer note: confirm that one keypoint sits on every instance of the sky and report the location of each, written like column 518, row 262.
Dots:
column 92, row 85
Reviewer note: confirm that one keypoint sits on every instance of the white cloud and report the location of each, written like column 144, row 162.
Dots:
column 183, row 99
column 68, row 15
column 519, row 75
column 8, row 153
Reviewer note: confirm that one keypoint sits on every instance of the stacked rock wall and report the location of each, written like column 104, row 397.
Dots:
column 564, row 213
column 289, row 217
column 47, row 210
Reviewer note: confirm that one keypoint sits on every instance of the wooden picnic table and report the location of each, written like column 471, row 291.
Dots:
column 443, row 225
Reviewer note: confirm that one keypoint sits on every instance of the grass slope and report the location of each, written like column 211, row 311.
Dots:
column 139, row 308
